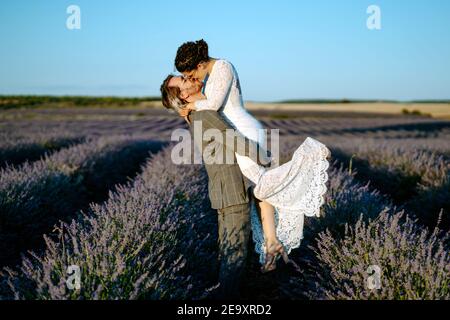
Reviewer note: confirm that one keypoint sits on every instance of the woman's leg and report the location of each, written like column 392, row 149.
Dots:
column 267, row 213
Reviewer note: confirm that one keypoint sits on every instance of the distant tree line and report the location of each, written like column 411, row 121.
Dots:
column 7, row 102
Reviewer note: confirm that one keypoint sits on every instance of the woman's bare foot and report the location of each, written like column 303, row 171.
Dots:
column 273, row 249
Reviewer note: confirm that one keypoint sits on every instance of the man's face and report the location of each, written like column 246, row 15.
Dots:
column 187, row 87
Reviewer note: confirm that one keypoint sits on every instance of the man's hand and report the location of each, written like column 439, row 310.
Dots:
column 187, row 109
column 190, row 106
column 184, row 112
column 265, row 160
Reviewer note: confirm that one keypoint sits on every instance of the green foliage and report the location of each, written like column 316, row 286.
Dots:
column 10, row 102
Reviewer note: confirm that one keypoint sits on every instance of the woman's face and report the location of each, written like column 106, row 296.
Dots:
column 187, row 87
column 197, row 74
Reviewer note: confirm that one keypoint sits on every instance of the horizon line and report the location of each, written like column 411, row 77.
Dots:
column 285, row 101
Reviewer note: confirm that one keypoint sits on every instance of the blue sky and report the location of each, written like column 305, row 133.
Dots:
column 282, row 49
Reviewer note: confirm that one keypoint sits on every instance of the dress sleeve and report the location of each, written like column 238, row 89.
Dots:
column 219, row 88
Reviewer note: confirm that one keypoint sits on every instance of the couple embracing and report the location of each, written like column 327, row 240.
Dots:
column 252, row 194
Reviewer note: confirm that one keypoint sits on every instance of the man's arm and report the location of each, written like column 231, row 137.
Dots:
column 241, row 144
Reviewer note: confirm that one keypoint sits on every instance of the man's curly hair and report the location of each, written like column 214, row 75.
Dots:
column 190, row 54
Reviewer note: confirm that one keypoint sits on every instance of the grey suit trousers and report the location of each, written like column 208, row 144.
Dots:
column 234, row 233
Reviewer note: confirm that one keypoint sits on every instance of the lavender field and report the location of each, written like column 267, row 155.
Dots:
column 96, row 188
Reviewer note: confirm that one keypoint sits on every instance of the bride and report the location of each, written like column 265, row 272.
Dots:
column 284, row 194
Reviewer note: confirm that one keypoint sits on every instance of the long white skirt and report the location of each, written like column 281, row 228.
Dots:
column 295, row 189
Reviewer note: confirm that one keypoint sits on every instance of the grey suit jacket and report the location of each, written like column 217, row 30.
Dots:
column 227, row 186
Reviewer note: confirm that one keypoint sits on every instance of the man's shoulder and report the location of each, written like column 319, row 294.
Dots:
column 209, row 118
column 198, row 115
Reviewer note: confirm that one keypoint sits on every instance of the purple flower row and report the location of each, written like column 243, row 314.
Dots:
column 34, row 196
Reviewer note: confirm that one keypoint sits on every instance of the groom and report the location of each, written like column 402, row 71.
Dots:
column 228, row 188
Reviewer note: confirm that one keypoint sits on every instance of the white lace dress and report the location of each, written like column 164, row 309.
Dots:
column 295, row 188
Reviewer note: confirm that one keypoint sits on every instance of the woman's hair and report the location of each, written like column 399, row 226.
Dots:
column 190, row 54
column 170, row 96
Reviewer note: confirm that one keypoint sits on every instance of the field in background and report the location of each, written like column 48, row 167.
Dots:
column 98, row 182
column 435, row 109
